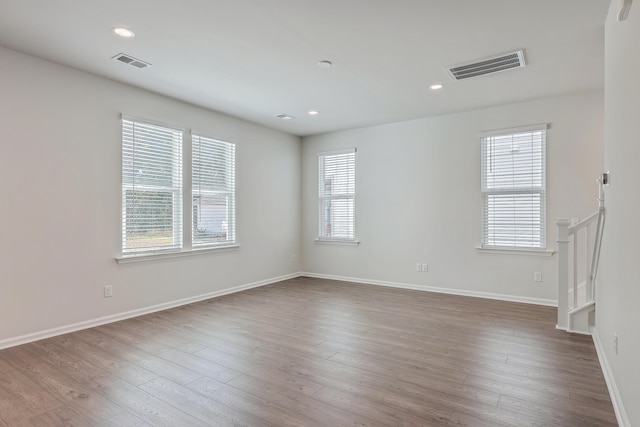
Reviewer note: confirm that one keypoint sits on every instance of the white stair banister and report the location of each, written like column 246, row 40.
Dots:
column 602, row 181
column 563, row 273
column 576, row 317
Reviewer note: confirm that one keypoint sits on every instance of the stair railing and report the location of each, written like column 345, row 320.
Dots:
column 586, row 236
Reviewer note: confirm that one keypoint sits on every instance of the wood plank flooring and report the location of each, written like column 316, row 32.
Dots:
column 311, row 352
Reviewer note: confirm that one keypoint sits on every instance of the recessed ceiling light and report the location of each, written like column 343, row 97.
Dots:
column 436, row 87
column 324, row 64
column 123, row 32
column 313, row 113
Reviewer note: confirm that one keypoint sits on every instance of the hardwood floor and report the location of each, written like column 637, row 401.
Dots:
column 311, row 352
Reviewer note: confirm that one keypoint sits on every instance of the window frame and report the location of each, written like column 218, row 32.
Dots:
column 515, row 190
column 351, row 238
column 228, row 191
column 187, row 246
column 176, row 189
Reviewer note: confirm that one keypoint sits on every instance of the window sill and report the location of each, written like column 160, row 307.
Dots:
column 166, row 255
column 516, row 251
column 338, row 242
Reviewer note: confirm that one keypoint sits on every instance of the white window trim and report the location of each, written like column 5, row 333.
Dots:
column 187, row 205
column 175, row 254
column 519, row 129
column 337, row 152
column 343, row 242
column 508, row 250
column 337, row 240
column 232, row 192
column 516, row 250
column 176, row 189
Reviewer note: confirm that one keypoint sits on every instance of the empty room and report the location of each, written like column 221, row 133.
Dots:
column 338, row 213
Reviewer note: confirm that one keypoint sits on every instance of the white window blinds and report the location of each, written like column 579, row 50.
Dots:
column 336, row 194
column 513, row 187
column 151, row 188
column 213, row 191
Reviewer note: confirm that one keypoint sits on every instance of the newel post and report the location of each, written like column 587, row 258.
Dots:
column 563, row 273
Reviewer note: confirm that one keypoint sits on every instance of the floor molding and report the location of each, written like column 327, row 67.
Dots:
column 616, row 399
column 440, row 290
column 294, row 353
column 24, row 339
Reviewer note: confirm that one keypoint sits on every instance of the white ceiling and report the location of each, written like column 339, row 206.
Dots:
column 255, row 59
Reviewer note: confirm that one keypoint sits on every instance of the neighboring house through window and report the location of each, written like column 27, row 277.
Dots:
column 213, row 191
column 513, row 187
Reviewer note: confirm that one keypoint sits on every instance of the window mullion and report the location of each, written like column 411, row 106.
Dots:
column 187, row 199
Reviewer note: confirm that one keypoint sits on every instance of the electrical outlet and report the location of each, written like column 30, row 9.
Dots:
column 108, row 291
column 425, row 268
column 615, row 343
column 537, row 276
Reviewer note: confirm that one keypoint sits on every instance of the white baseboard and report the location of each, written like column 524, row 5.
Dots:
column 24, row 339
column 440, row 290
column 616, row 399
column 621, row 415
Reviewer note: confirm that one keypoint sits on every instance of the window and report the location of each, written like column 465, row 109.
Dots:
column 513, row 187
column 151, row 188
column 336, row 195
column 213, row 191
column 166, row 209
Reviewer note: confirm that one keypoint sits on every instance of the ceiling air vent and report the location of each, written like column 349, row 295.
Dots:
column 130, row 60
column 486, row 66
column 285, row 117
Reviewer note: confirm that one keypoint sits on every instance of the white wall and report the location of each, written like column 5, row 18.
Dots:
column 60, row 204
column 418, row 197
column 618, row 295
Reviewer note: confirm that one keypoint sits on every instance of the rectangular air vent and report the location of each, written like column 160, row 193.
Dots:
column 130, row 60
column 486, row 66
column 285, row 117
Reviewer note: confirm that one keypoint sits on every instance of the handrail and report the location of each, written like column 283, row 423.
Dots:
column 568, row 232
column 573, row 229
column 602, row 181
column 596, row 250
